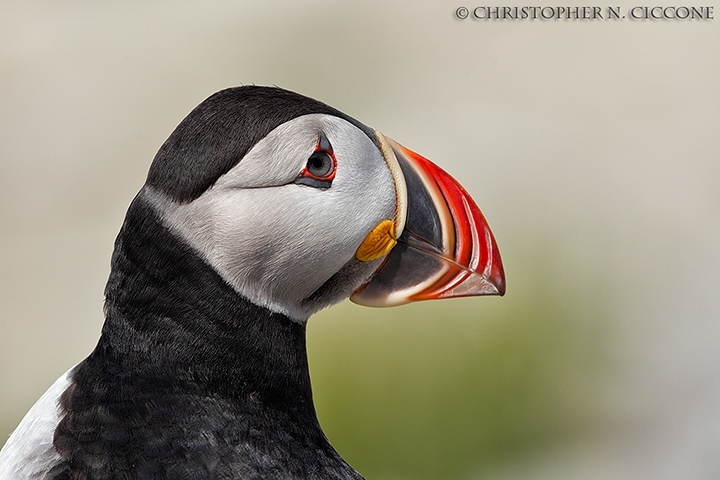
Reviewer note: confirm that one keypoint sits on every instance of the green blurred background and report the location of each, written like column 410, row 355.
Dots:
column 592, row 148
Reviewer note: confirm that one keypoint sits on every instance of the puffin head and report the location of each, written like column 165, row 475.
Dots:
column 298, row 206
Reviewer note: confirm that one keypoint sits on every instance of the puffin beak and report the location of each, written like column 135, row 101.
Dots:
column 444, row 245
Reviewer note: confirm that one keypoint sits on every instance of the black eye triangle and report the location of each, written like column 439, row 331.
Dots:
column 324, row 143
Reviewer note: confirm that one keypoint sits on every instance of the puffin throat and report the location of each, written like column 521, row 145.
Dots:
column 189, row 379
column 166, row 306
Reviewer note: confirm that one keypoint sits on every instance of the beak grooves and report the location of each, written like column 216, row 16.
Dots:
column 466, row 254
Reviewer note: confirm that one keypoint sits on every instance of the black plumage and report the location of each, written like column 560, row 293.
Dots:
column 189, row 380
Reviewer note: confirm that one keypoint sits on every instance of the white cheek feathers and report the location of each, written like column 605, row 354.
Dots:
column 277, row 242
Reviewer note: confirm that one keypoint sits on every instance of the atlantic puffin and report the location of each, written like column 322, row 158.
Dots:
column 261, row 208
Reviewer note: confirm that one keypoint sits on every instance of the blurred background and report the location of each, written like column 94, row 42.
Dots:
column 591, row 146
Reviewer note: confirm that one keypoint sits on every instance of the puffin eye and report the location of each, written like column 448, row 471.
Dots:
column 320, row 164
column 319, row 170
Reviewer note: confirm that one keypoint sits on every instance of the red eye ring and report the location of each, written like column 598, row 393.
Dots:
column 319, row 171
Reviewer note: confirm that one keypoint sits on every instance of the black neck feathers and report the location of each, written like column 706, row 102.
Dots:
column 189, row 379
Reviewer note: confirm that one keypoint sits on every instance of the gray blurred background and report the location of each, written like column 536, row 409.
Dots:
column 592, row 148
